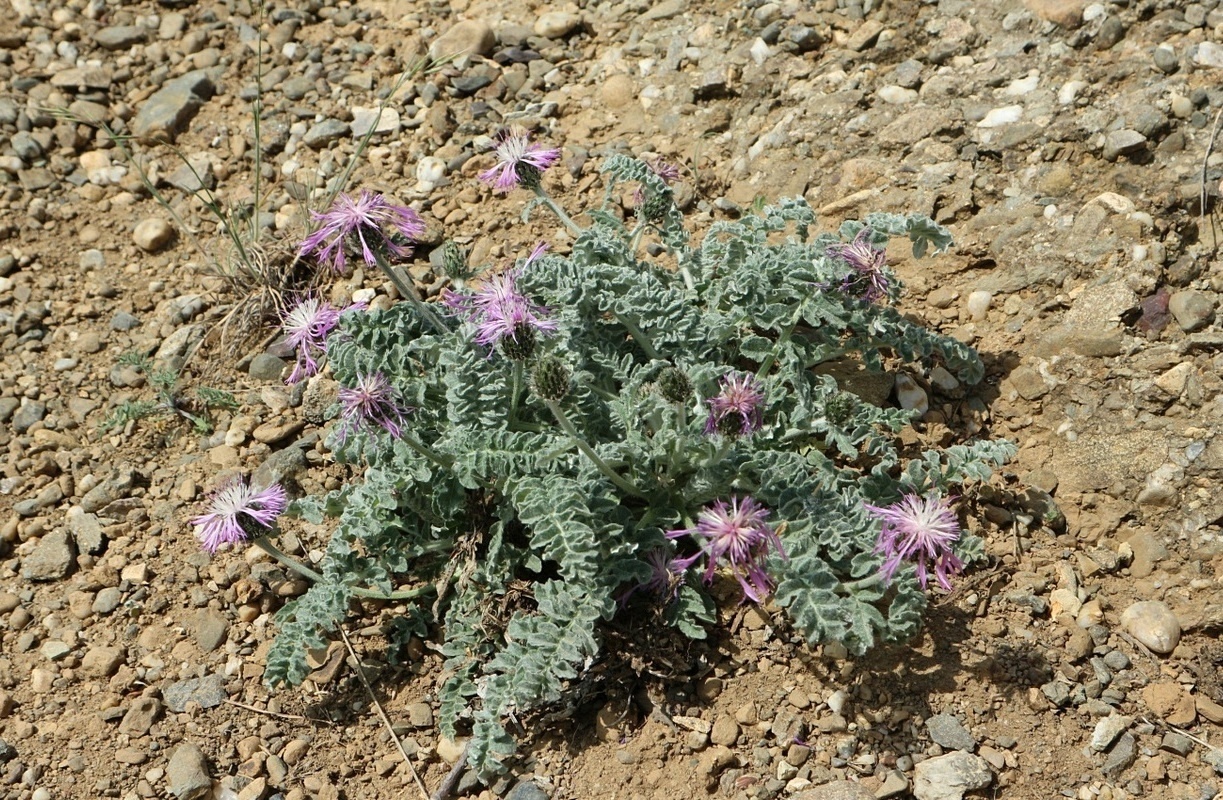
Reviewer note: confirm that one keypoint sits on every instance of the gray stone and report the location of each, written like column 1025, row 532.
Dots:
column 211, row 630
column 87, row 531
column 37, row 179
column 51, row 559
column 1107, row 730
column 1193, row 310
column 26, row 146
column 420, row 715
column 557, row 24
column 82, row 78
column 7, row 752
column 194, row 174
column 836, row 790
column 280, row 467
column 208, row 691
column 1121, row 756
column 266, row 367
column 1152, row 623
column 175, row 347
column 27, row 415
column 297, row 87
column 1122, row 142
column 947, row 732
column 120, row 37
column 164, row 115
column 1176, row 743
column 123, row 321
column 949, row 777
column 526, row 791
column 141, row 716
column 187, row 775
column 107, row 600
column 324, row 133
column 8, row 406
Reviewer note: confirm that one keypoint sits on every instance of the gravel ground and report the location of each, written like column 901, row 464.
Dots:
column 1064, row 143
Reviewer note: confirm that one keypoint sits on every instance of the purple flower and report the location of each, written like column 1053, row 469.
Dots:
column 502, row 314
column 739, row 536
column 736, row 410
column 867, row 278
column 518, row 161
column 373, row 401
column 920, row 530
column 668, row 172
column 307, row 325
column 367, row 224
column 236, row 511
column 666, row 575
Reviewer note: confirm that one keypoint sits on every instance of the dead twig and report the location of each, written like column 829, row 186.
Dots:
column 385, row 719
column 451, row 780
column 1214, row 131
column 277, row 714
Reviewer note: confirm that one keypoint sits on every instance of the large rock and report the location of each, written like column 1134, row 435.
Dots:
column 949, row 777
column 51, row 559
column 469, row 37
column 164, row 115
column 187, row 775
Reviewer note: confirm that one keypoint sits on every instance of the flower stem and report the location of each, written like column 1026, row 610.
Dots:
column 445, row 462
column 264, row 544
column 638, row 335
column 874, row 579
column 771, row 359
column 565, row 219
column 404, row 284
column 567, row 426
column 515, row 390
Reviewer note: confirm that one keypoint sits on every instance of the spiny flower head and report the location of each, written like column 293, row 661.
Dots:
column 654, row 208
column 519, row 163
column 921, row 530
column 736, row 409
column 237, row 511
column 738, row 536
column 369, row 224
column 373, row 401
column 867, row 278
column 502, row 314
column 307, row 326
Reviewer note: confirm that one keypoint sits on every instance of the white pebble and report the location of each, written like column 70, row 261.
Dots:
column 363, row 296
column 1069, row 91
column 910, row 396
column 1004, row 115
column 429, row 172
column 940, row 377
column 1022, row 86
column 759, row 51
column 1094, row 12
column 837, row 700
column 1139, row 252
column 978, row 305
column 1152, row 623
column 897, row 95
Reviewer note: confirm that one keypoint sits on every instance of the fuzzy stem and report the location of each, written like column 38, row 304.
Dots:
column 874, row 579
column 567, row 426
column 408, row 291
column 638, row 335
column 771, row 359
column 264, row 544
column 445, row 462
column 515, row 390
column 565, row 219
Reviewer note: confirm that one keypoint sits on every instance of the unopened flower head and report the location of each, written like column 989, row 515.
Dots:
column 369, row 225
column 502, row 314
column 237, row 511
column 307, row 326
column 867, row 278
column 738, row 536
column 519, row 163
column 373, row 401
column 921, row 530
column 736, row 409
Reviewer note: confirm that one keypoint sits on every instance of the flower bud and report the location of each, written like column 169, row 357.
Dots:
column 519, row 345
column 674, row 385
column 839, row 408
column 551, row 378
column 454, row 260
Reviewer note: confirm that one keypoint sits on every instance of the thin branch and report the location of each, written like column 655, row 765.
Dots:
column 1214, row 131
column 277, row 714
column 451, row 780
column 385, row 719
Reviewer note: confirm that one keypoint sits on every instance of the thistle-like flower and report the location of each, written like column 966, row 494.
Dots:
column 736, row 410
column 237, row 511
column 867, row 279
column 739, row 537
column 653, row 208
column 502, row 314
column 367, row 225
column 307, row 325
column 667, row 572
column 519, row 163
column 373, row 401
column 551, row 378
column 921, row 530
